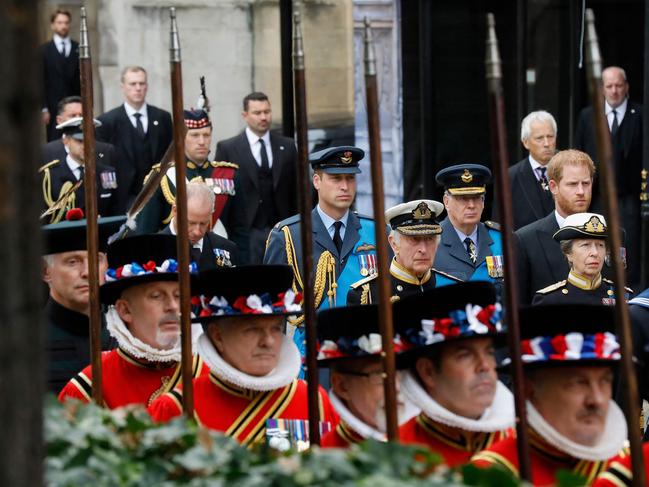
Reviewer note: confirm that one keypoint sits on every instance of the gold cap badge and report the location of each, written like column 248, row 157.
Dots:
column 466, row 177
column 346, row 158
column 594, row 225
column 422, row 212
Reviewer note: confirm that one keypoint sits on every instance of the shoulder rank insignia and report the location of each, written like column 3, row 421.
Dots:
column 552, row 287
column 446, row 274
column 224, row 164
column 492, row 224
column 365, row 280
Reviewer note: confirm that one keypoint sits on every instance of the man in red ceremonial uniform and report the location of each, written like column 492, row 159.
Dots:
column 253, row 365
column 619, row 473
column 568, row 355
column 448, row 334
column 350, row 345
column 142, row 295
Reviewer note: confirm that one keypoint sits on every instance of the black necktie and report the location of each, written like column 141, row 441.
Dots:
column 62, row 51
column 470, row 248
column 80, row 168
column 614, row 125
column 195, row 254
column 138, row 124
column 543, row 178
column 264, row 156
column 338, row 241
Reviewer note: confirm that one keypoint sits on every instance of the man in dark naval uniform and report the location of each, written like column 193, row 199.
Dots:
column 207, row 249
column 583, row 242
column 65, row 270
column 414, row 238
column 229, row 205
column 63, row 179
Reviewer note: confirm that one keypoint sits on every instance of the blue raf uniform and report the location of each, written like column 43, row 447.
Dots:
column 480, row 260
column 334, row 271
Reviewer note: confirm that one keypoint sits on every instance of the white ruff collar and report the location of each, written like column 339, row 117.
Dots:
column 498, row 417
column 609, row 445
column 363, row 429
column 135, row 347
column 286, row 371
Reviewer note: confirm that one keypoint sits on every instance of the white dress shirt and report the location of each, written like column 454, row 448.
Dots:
column 473, row 236
column 329, row 223
column 619, row 111
column 74, row 166
column 130, row 111
column 559, row 218
column 255, row 146
column 535, row 165
column 65, row 40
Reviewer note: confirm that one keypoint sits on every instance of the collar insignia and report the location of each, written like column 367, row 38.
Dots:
column 466, row 177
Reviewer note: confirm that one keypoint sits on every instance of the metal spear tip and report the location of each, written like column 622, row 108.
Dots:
column 492, row 56
column 370, row 55
column 172, row 13
column 174, row 44
column 593, row 56
column 84, row 50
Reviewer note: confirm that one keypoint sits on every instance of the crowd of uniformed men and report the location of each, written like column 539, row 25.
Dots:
column 247, row 282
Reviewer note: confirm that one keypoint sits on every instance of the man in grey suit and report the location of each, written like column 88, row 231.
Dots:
column 267, row 176
column 540, row 261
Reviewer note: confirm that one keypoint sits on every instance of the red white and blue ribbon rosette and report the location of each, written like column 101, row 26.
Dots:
column 135, row 269
column 571, row 346
column 472, row 321
column 285, row 303
column 354, row 347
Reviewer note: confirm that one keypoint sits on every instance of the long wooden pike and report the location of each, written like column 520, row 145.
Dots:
column 608, row 186
column 90, row 183
column 181, row 215
column 501, row 166
column 385, row 305
column 304, row 199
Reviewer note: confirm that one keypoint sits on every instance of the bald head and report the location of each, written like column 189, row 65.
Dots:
column 615, row 86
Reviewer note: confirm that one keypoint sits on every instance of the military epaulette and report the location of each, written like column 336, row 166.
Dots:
column 365, row 280
column 48, row 165
column 287, row 221
column 493, row 225
column 224, row 164
column 446, row 274
column 552, row 287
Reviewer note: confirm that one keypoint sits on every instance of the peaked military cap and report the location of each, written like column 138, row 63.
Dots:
column 337, row 160
column 418, row 217
column 445, row 314
column 74, row 127
column 245, row 291
column 347, row 333
column 196, row 119
column 139, row 260
column 464, row 179
column 582, row 225
column 573, row 334
column 70, row 235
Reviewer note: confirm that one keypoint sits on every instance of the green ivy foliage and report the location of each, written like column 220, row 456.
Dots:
column 91, row 446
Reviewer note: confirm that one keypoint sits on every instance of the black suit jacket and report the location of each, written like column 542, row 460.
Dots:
column 539, row 257
column 55, row 149
column 627, row 147
column 118, row 130
column 530, row 201
column 237, row 150
column 61, row 78
column 212, row 244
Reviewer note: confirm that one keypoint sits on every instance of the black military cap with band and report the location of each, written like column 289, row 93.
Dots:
column 337, row 160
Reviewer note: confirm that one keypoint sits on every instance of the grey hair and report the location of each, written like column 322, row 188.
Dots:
column 396, row 236
column 615, row 67
column 49, row 260
column 539, row 116
column 198, row 190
